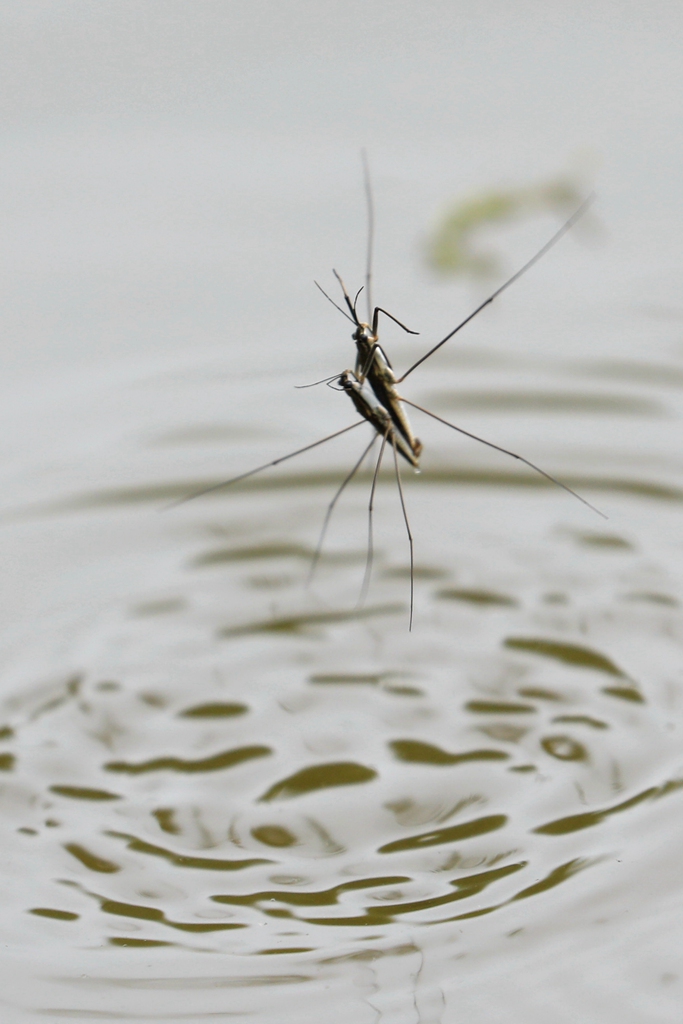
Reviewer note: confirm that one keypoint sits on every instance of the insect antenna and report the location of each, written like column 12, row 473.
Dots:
column 325, row 380
column 259, row 469
column 330, row 509
column 373, row 311
column 329, row 299
column 506, row 451
column 371, row 506
column 511, row 280
column 347, row 298
column 410, row 536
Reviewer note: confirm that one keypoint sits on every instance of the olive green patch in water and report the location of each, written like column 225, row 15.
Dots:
column 320, row 776
column 552, row 879
column 274, row 835
column 365, row 679
column 482, row 598
column 84, row 793
column 7, row 762
column 214, row 710
column 119, row 940
column 154, row 914
column 346, row 677
column 226, row 759
column 6, row 732
column 652, row 598
column 555, row 877
column 634, row 372
column 57, row 915
column 153, row 700
column 284, row 949
column 470, row 885
column 604, row 540
column 498, row 707
column 253, row 553
column 320, row 898
column 446, row 475
column 404, row 691
column 108, row 686
column 504, row 732
column 554, row 402
column 420, row 572
column 416, row 752
column 452, row 834
column 672, row 786
column 91, row 860
column 454, row 249
column 569, row 654
column 564, row 748
column 270, row 581
column 594, row 723
column 576, row 822
column 184, row 860
column 166, row 820
column 539, row 693
column 296, row 624
column 624, row 693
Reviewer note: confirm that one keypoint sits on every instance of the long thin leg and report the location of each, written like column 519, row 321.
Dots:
column 375, row 318
column 367, row 182
column 330, row 508
column 352, row 307
column 506, row 451
column 267, row 465
column 511, row 280
column 371, row 506
column 369, row 252
column 410, row 536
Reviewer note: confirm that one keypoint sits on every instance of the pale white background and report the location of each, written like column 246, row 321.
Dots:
column 174, row 175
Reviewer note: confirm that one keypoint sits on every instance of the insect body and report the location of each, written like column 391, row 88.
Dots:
column 378, row 416
column 372, row 387
column 367, row 404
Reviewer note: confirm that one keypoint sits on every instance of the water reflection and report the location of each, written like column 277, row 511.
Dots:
column 220, row 761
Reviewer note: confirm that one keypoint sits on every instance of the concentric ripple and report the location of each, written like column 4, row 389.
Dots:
column 197, row 779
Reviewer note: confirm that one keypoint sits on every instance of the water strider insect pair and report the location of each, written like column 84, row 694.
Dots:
column 372, row 388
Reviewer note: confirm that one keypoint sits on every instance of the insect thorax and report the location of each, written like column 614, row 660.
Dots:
column 372, row 360
column 364, row 338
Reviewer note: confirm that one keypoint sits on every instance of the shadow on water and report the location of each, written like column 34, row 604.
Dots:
column 544, row 402
column 295, row 624
column 441, row 476
column 301, row 799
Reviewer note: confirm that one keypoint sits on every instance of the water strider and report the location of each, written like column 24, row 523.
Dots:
column 372, row 387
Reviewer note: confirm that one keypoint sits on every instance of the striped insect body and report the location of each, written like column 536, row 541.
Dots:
column 372, row 387
column 367, row 404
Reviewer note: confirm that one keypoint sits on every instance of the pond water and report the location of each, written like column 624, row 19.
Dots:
column 228, row 792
